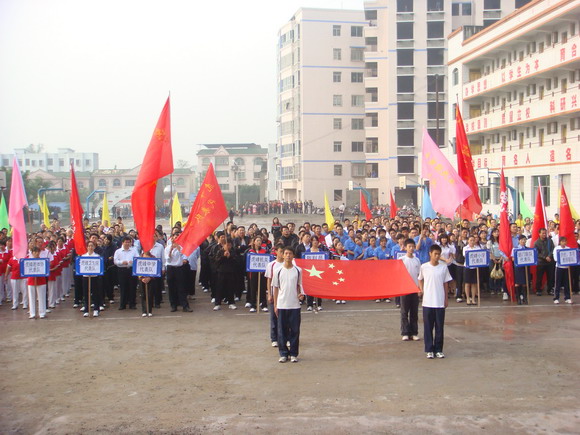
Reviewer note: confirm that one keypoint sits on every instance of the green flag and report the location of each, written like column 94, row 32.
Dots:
column 3, row 214
column 524, row 209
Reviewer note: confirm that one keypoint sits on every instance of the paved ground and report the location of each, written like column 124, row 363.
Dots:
column 509, row 369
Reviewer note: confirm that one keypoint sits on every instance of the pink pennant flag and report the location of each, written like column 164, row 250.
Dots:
column 447, row 189
column 16, row 212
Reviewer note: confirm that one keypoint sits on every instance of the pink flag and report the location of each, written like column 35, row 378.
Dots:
column 16, row 212
column 447, row 189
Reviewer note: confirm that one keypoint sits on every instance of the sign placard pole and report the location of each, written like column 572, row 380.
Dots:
column 147, row 298
column 36, row 298
column 570, row 282
column 478, row 290
column 258, row 300
column 527, row 287
column 89, row 295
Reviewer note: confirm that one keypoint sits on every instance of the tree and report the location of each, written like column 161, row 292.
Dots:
column 183, row 164
column 32, row 186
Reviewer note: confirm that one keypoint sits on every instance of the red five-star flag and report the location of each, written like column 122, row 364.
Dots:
column 157, row 163
column 356, row 280
column 207, row 213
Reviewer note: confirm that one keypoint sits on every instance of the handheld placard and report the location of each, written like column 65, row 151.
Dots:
column 147, row 266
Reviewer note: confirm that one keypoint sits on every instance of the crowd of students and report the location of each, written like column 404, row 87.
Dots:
column 221, row 260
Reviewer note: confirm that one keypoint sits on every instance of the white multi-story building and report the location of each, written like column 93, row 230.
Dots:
column 29, row 160
column 321, row 119
column 405, row 84
column 518, row 86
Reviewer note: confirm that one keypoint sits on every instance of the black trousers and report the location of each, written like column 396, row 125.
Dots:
column 545, row 269
column 459, row 281
column 146, row 291
column 96, row 293
column 204, row 274
column 126, row 287
column 289, row 330
column 78, row 283
column 255, row 278
column 562, row 281
column 190, row 280
column 109, row 282
column 410, row 314
column 176, row 286
column 310, row 301
column 433, row 318
column 157, row 285
column 225, row 287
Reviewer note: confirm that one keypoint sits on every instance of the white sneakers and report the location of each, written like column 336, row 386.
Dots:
column 248, row 305
column 405, row 338
column 309, row 309
column 217, row 308
column 556, row 301
column 265, row 309
column 232, row 307
column 440, row 355
column 274, row 344
column 294, row 359
column 506, row 297
column 252, row 310
column 568, row 301
column 95, row 313
column 416, row 338
column 430, row 355
column 283, row 359
column 86, row 315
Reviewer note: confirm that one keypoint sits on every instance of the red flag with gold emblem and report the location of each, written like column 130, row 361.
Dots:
column 157, row 163
column 207, row 213
column 356, row 280
column 472, row 205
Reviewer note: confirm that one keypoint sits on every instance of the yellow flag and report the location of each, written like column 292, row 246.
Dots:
column 176, row 215
column 106, row 215
column 329, row 218
column 575, row 214
column 45, row 212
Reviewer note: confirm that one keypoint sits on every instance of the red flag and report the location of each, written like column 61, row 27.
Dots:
column 566, row 221
column 338, row 279
column 76, row 215
column 157, row 163
column 393, row 207
column 365, row 207
column 472, row 205
column 207, row 213
column 540, row 220
column 505, row 237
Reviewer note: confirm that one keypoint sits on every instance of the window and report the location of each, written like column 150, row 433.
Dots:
column 49, row 162
column 222, row 161
column 337, row 147
column 405, row 164
column 544, row 181
column 337, row 170
column 358, row 170
column 257, row 175
column 5, row 162
column 27, row 162
column 205, row 161
column 435, row 29
column 87, row 163
column 357, row 147
column 404, row 5
column 433, row 133
column 372, row 145
column 116, row 182
column 33, row 163
column 336, row 54
column 258, row 161
column 224, row 187
column 406, row 138
column 357, row 100
column 372, row 119
column 338, row 195
column 434, row 5
column 337, row 100
column 435, row 111
column 357, row 54
column 406, row 111
column 222, row 173
column 240, row 176
column 435, row 83
column 239, row 162
column 181, row 195
column 102, row 182
column 356, row 77
column 60, row 162
column 129, row 183
column 180, row 182
column 78, row 162
column 336, row 77
column 356, row 31
column 337, row 123
column 492, row 4
column 335, row 30
column 40, row 163
column 372, row 170
column 405, row 30
column 434, row 56
column 405, row 57
column 455, row 76
column 372, row 95
column 455, row 9
column 357, row 124
column 405, row 84
column 371, row 14
column 466, row 9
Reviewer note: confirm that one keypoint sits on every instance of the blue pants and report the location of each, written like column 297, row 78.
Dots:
column 561, row 281
column 288, row 330
column 273, row 323
column 433, row 318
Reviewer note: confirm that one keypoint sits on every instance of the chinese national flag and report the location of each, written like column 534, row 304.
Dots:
column 356, row 280
column 76, row 215
column 365, row 207
column 566, row 221
column 393, row 207
column 505, row 237
column 472, row 205
column 207, row 213
column 157, row 163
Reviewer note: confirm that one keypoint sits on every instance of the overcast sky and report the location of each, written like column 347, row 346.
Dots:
column 93, row 76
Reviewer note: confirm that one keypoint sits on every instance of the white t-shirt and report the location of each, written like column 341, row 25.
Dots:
column 447, row 251
column 434, row 277
column 413, row 266
column 287, row 281
column 555, row 253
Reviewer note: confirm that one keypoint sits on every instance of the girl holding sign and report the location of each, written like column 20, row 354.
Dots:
column 315, row 247
column 520, row 273
column 470, row 274
column 561, row 274
column 95, row 288
column 257, row 277
column 37, row 287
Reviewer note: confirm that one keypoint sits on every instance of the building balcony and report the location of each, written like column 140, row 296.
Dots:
column 532, row 110
column 534, row 64
column 405, row 16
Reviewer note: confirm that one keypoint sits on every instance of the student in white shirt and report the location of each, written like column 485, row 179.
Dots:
column 288, row 292
column 123, row 259
column 433, row 282
column 271, row 269
column 410, row 302
column 561, row 274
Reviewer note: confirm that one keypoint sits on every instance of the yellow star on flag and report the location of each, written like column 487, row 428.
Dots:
column 339, row 272
column 313, row 272
column 331, row 266
column 341, row 279
column 334, row 283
